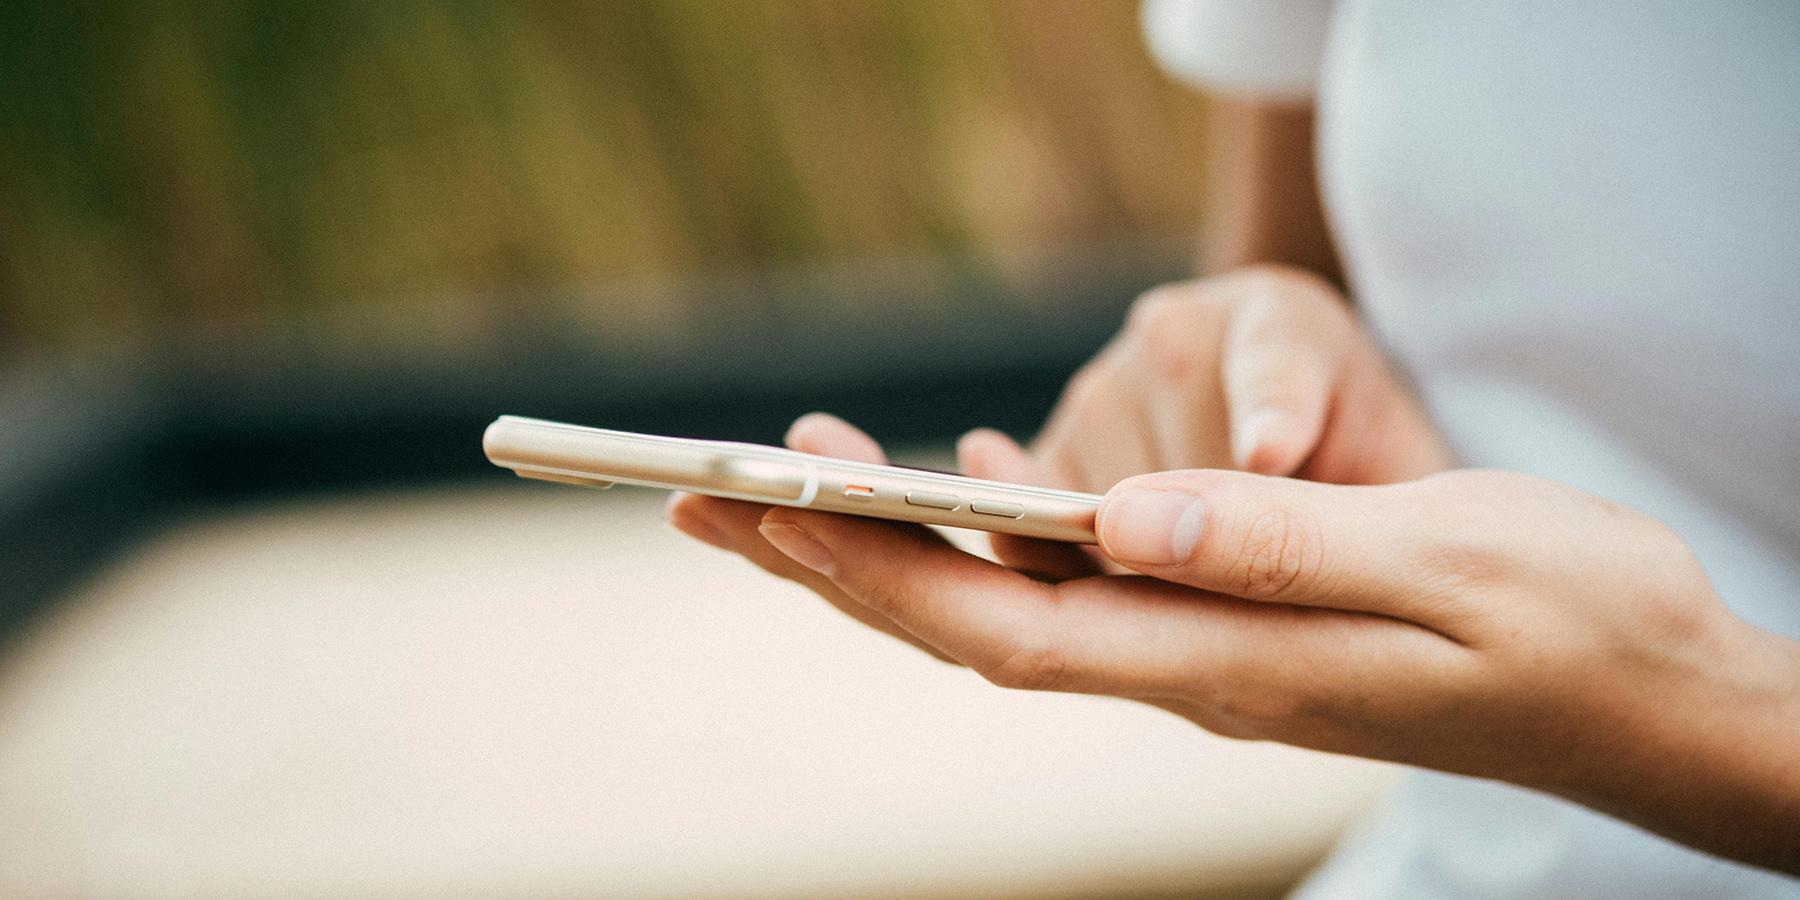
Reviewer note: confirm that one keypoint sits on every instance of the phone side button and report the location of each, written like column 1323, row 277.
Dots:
column 996, row 508
column 933, row 500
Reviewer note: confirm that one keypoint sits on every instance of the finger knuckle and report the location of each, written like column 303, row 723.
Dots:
column 1283, row 295
column 1169, row 327
column 890, row 596
column 1659, row 541
column 1673, row 606
column 1177, row 353
column 878, row 595
column 1286, row 280
column 1277, row 552
column 1086, row 385
column 1156, row 307
column 1092, row 392
column 1028, row 667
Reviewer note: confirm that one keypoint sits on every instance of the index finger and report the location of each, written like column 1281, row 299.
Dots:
column 1128, row 636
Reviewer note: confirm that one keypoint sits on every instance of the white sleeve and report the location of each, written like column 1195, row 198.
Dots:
column 1267, row 49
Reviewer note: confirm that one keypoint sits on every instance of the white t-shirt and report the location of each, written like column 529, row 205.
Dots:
column 1577, row 226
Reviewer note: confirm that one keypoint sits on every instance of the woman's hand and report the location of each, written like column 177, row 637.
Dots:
column 1476, row 622
column 1264, row 369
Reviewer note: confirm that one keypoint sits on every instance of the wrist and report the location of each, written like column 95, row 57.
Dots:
column 1711, row 757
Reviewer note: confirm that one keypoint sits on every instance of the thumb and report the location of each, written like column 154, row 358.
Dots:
column 1263, row 538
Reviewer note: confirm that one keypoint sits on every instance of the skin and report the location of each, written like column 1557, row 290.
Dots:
column 1287, row 553
column 1263, row 181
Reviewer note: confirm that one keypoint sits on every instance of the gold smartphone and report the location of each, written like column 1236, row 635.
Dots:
column 596, row 457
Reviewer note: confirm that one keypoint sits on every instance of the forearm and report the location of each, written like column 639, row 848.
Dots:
column 1266, row 206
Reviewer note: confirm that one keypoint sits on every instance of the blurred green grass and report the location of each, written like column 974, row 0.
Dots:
column 196, row 172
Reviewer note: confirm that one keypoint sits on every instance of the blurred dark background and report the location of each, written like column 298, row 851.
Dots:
column 254, row 248
column 270, row 625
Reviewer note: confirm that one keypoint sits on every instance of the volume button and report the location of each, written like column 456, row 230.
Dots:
column 997, row 508
column 933, row 500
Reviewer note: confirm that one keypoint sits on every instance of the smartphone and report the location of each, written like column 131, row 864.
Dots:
column 596, row 457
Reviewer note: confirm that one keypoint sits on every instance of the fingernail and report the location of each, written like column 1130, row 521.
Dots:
column 799, row 546
column 1249, row 436
column 1158, row 528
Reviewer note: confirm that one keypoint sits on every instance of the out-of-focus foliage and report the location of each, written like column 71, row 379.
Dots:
column 170, row 168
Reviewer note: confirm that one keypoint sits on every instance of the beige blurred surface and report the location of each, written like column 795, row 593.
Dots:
column 529, row 690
